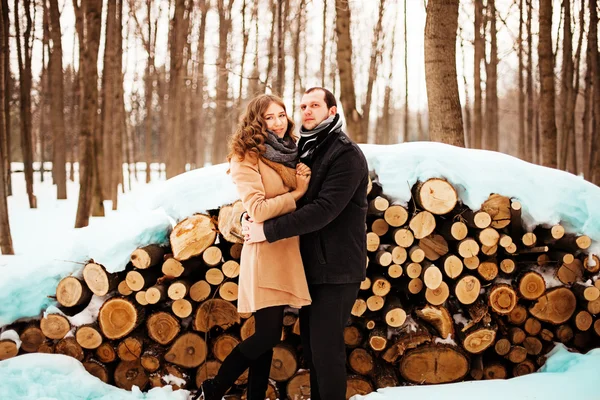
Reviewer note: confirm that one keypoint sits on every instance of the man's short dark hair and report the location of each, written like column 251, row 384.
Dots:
column 329, row 97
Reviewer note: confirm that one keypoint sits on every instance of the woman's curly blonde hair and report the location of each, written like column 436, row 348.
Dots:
column 249, row 136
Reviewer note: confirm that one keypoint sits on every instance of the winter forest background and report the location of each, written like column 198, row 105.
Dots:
column 92, row 88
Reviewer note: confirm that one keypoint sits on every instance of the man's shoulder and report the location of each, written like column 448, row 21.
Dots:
column 349, row 148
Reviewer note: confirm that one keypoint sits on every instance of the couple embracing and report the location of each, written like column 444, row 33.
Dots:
column 305, row 239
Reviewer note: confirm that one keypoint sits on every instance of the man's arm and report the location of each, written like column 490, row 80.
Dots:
column 343, row 178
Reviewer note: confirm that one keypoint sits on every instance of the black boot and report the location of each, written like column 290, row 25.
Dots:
column 231, row 369
column 258, row 377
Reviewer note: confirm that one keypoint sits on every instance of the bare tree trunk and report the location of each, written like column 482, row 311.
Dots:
column 59, row 160
column 198, row 100
column 373, row 66
column 300, row 27
column 406, row 108
column 491, row 84
column 479, row 55
column 282, row 7
column 43, row 103
column 89, row 75
column 594, row 176
column 223, row 124
column 522, row 146
column 6, row 104
column 24, row 46
column 445, row 117
column 467, row 107
column 270, row 43
column 176, row 90
column 566, row 90
column 576, row 140
column 324, row 43
column 111, row 76
column 148, row 85
column 245, row 38
column 547, row 116
column 529, row 149
column 6, row 245
column 344, row 61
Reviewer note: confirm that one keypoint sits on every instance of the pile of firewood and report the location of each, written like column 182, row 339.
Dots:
column 451, row 294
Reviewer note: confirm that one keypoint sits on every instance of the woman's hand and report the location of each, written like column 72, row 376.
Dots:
column 303, row 173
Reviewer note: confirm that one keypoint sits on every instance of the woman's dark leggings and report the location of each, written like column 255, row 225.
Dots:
column 256, row 353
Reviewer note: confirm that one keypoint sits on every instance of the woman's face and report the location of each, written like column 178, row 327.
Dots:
column 276, row 119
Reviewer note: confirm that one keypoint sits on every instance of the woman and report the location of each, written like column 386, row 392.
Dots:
column 263, row 164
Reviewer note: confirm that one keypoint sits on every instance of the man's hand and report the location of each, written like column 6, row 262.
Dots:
column 253, row 232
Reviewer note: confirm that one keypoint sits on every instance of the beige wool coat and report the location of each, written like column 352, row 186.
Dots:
column 271, row 274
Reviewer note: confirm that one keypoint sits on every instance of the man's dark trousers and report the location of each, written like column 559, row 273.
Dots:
column 322, row 332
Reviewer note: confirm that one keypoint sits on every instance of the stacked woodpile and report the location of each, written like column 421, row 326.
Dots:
column 451, row 294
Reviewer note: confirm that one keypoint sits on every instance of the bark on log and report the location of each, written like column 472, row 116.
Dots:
column 147, row 256
column 97, row 369
column 229, row 222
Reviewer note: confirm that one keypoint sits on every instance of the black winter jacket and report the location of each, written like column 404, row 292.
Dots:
column 331, row 217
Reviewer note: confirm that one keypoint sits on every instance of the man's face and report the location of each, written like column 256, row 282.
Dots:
column 314, row 109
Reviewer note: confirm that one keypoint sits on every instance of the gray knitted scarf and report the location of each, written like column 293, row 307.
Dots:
column 281, row 150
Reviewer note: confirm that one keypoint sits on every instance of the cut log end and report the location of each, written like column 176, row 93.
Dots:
column 437, row 196
column 556, row 307
column 502, row 299
column 118, row 317
column 432, row 364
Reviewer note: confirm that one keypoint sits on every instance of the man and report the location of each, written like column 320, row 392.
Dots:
column 330, row 220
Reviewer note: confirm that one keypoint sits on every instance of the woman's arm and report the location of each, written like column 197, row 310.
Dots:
column 248, row 181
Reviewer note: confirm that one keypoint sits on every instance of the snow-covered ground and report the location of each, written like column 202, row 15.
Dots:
column 48, row 249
